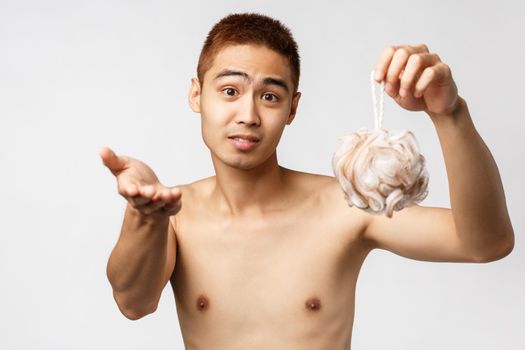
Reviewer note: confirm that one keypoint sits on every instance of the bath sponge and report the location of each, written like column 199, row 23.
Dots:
column 379, row 172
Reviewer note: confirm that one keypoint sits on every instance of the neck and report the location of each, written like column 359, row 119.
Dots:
column 248, row 191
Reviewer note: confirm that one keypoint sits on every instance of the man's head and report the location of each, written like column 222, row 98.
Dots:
column 247, row 83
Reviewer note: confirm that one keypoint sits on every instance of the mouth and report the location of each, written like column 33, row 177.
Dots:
column 244, row 142
column 244, row 138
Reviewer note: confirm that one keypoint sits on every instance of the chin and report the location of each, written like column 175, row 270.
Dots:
column 241, row 162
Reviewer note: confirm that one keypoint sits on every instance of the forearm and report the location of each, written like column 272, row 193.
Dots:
column 476, row 192
column 136, row 265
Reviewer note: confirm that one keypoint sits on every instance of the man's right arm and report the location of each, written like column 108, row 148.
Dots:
column 142, row 262
column 143, row 259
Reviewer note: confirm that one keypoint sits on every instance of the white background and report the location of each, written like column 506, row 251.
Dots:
column 79, row 75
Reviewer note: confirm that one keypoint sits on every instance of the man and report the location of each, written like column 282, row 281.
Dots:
column 264, row 257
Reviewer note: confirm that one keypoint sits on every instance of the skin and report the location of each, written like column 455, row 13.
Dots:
column 264, row 257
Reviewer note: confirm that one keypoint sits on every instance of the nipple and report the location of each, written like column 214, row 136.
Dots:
column 202, row 303
column 379, row 172
column 313, row 304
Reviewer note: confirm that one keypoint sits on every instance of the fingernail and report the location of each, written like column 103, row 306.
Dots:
column 388, row 87
column 402, row 92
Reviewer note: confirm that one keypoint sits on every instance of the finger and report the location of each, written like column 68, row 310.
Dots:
column 148, row 194
column 127, row 188
column 384, row 61
column 112, row 161
column 152, row 207
column 175, row 192
column 163, row 193
column 151, row 193
column 139, row 201
column 172, row 208
column 398, row 63
column 133, row 190
column 417, row 62
column 147, row 191
column 143, row 197
column 385, row 58
column 420, row 48
column 169, row 194
column 431, row 74
column 168, row 208
column 173, row 202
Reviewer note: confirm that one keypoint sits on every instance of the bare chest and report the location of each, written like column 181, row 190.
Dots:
column 289, row 272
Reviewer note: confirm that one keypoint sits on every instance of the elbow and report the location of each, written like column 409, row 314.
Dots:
column 135, row 312
column 497, row 254
column 135, row 315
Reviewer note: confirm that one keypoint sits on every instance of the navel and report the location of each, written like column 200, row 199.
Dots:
column 202, row 303
column 313, row 304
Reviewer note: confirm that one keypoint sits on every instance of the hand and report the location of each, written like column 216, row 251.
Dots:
column 417, row 80
column 140, row 186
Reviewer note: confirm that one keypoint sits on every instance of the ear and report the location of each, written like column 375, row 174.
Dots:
column 194, row 95
column 293, row 109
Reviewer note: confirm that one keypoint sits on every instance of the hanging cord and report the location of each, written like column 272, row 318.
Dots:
column 378, row 115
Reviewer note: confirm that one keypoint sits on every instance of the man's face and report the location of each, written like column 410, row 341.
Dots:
column 248, row 91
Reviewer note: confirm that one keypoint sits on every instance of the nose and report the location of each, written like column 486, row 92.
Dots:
column 248, row 113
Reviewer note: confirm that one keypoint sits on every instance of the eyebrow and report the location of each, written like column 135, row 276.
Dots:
column 244, row 75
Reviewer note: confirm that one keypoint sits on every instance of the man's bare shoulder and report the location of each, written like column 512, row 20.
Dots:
column 190, row 193
column 325, row 186
column 329, row 192
column 197, row 187
column 332, row 206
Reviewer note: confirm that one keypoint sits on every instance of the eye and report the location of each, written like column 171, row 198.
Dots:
column 271, row 95
column 229, row 90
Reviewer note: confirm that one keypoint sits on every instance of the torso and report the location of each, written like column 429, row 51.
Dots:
column 283, row 281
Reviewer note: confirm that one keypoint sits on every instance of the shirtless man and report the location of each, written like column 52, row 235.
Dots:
column 264, row 257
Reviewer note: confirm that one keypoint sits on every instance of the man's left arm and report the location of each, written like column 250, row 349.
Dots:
column 477, row 198
column 477, row 227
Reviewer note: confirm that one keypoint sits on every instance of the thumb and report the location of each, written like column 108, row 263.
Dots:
column 111, row 160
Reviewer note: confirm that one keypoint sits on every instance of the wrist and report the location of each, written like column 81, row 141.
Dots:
column 457, row 113
column 154, row 219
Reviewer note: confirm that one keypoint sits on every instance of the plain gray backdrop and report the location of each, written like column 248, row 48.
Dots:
column 79, row 75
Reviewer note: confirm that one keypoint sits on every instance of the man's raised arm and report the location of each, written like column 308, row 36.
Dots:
column 477, row 228
column 477, row 197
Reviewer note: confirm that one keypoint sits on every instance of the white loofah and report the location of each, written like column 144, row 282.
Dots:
column 379, row 172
